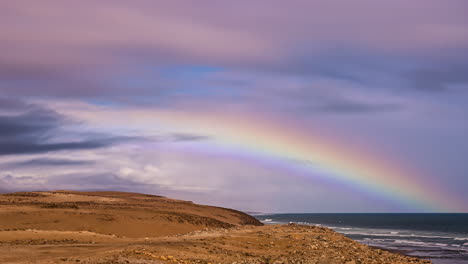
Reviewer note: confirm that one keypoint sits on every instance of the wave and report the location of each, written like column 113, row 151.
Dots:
column 379, row 232
column 435, row 244
column 411, row 245
column 397, row 234
column 412, row 242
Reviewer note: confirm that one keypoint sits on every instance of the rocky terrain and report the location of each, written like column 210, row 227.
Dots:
column 111, row 227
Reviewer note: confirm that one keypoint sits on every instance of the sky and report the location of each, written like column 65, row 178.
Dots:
column 263, row 106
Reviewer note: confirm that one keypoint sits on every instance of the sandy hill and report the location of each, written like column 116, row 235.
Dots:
column 128, row 228
column 117, row 213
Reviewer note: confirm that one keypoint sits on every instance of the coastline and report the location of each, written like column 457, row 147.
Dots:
column 291, row 243
column 441, row 238
column 128, row 228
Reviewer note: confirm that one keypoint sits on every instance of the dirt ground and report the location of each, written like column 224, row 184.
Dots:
column 111, row 227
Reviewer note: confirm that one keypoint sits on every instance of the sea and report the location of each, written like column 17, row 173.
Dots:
column 441, row 238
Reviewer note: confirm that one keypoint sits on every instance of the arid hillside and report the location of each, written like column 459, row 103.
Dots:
column 116, row 213
column 127, row 228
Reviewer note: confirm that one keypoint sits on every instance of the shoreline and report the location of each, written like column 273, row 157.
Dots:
column 439, row 237
column 127, row 228
column 275, row 244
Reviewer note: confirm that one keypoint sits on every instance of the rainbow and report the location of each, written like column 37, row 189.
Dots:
column 265, row 137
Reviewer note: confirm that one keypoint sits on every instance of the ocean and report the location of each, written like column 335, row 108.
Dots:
column 442, row 238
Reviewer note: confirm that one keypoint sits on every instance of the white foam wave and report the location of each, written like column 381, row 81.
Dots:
column 396, row 234
column 411, row 242
column 395, row 244
column 441, row 244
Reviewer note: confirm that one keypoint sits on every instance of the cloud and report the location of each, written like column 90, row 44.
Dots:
column 48, row 162
column 188, row 137
column 28, row 129
column 72, row 181
column 16, row 182
column 81, row 48
column 31, row 122
column 439, row 79
column 349, row 107
column 324, row 64
column 9, row 104
column 152, row 175
column 31, row 147
column 319, row 95
column 97, row 181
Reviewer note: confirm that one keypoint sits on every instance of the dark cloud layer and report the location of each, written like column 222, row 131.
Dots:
column 33, row 123
column 30, row 129
column 348, row 107
column 441, row 78
column 34, row 147
column 40, row 162
column 188, row 137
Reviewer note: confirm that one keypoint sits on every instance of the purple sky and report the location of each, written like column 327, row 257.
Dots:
column 83, row 82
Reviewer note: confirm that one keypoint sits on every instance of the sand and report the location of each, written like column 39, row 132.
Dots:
column 113, row 227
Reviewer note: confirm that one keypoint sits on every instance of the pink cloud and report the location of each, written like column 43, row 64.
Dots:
column 93, row 33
